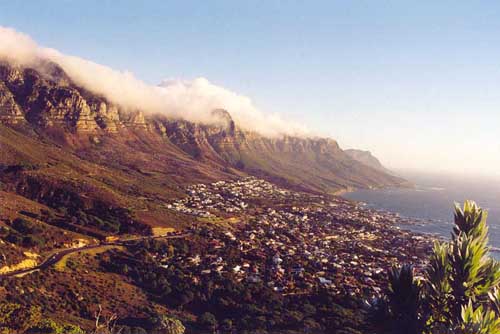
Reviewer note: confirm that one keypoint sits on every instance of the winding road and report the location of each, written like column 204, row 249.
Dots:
column 56, row 257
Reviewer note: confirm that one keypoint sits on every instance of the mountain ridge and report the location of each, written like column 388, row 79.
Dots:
column 90, row 133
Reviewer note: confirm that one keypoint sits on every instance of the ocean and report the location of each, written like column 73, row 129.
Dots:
column 430, row 202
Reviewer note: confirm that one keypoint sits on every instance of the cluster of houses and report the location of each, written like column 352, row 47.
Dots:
column 295, row 242
column 207, row 200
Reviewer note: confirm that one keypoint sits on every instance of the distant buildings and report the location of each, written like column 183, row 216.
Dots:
column 295, row 242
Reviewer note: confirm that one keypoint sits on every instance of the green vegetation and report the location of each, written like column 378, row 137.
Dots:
column 103, row 217
column 15, row 318
column 208, row 321
column 66, row 259
column 100, row 217
column 459, row 292
column 23, row 233
column 49, row 326
column 220, row 302
column 24, row 226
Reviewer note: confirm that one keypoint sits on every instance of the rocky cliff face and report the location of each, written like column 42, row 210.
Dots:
column 50, row 99
column 46, row 101
column 10, row 112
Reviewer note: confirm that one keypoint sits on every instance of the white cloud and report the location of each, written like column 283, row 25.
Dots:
column 17, row 48
column 200, row 94
column 191, row 100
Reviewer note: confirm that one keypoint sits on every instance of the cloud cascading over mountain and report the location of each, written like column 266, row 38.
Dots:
column 191, row 100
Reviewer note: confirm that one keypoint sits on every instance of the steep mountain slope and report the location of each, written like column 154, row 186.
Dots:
column 65, row 147
column 315, row 164
column 367, row 158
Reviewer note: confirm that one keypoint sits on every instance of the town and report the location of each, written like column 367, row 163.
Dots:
column 294, row 242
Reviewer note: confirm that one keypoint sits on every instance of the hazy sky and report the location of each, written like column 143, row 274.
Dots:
column 415, row 82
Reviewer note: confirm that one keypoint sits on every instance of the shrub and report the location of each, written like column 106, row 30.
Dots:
column 459, row 291
column 49, row 326
column 33, row 241
column 23, row 226
column 208, row 321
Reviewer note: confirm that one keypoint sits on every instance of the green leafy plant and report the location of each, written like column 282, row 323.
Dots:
column 404, row 299
column 459, row 292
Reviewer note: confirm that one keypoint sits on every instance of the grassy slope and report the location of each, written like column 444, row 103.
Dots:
column 113, row 179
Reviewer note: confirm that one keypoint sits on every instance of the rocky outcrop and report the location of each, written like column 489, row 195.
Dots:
column 47, row 103
column 133, row 119
column 106, row 115
column 194, row 138
column 10, row 112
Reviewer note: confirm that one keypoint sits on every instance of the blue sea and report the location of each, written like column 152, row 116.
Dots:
column 430, row 202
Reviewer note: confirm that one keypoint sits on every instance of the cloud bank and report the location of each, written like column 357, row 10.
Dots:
column 191, row 100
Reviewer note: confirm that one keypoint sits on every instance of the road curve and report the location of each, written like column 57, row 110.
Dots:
column 56, row 257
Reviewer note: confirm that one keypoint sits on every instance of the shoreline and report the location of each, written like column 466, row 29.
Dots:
column 408, row 221
column 404, row 185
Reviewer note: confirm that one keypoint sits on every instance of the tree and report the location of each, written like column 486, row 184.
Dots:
column 105, row 324
column 168, row 325
column 208, row 321
column 459, row 292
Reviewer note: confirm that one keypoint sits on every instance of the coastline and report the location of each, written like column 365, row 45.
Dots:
column 403, row 185
column 406, row 222
column 344, row 191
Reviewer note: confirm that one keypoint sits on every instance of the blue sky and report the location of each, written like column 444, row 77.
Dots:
column 417, row 83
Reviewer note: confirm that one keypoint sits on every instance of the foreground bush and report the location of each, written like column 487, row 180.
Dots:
column 459, row 290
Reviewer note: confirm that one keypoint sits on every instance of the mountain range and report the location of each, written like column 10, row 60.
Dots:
column 65, row 147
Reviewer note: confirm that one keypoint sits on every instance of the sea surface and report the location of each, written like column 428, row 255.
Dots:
column 430, row 202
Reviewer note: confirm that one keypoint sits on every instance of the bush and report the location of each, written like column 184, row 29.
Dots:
column 207, row 321
column 24, row 226
column 459, row 293
column 49, row 326
column 33, row 241
column 14, row 238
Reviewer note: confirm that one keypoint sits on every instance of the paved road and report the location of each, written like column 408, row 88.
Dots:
column 56, row 257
